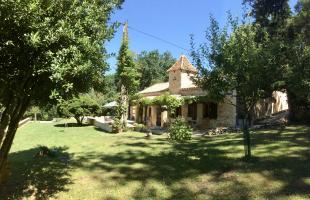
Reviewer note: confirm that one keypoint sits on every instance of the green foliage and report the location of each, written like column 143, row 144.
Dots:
column 78, row 107
column 288, row 49
column 127, row 72
column 270, row 14
column 179, row 130
column 47, row 112
column 296, row 73
column 195, row 99
column 49, row 49
column 140, row 128
column 153, row 67
column 171, row 103
column 33, row 111
column 53, row 46
column 236, row 62
column 166, row 101
column 119, row 123
column 110, row 89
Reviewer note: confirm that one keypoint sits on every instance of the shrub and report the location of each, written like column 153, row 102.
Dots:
column 179, row 130
column 117, row 126
column 46, row 112
column 140, row 128
column 78, row 107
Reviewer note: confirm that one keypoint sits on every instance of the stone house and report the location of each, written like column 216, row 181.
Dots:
column 201, row 114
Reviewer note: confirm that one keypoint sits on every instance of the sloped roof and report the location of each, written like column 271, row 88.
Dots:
column 159, row 87
column 183, row 64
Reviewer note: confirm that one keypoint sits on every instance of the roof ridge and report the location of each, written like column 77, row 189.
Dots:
column 183, row 64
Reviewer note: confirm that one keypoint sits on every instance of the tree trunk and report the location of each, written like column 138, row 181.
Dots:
column 124, row 99
column 5, row 119
column 78, row 120
column 15, row 117
column 246, row 138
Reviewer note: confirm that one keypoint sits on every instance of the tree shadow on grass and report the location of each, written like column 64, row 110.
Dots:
column 37, row 177
column 68, row 125
column 209, row 156
column 186, row 160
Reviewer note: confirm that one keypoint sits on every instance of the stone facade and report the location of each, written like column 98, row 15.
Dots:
column 181, row 84
column 266, row 107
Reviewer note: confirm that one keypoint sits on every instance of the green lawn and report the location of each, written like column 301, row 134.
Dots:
column 95, row 165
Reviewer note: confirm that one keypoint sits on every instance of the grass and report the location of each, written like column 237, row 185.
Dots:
column 95, row 165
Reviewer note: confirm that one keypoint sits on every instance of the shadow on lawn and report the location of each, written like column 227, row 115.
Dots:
column 71, row 124
column 36, row 177
column 173, row 165
column 206, row 156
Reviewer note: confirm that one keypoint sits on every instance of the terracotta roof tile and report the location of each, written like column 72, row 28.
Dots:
column 183, row 64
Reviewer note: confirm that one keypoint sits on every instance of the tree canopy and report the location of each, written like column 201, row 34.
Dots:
column 235, row 62
column 289, row 50
column 79, row 107
column 153, row 66
column 52, row 48
column 127, row 74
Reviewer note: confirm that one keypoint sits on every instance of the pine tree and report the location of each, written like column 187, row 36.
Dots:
column 127, row 76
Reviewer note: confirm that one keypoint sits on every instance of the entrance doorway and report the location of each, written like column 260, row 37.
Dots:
column 158, row 116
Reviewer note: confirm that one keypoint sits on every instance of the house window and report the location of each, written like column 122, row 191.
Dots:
column 150, row 111
column 178, row 112
column 192, row 111
column 210, row 110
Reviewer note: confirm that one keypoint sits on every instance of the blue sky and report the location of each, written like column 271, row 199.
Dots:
column 171, row 20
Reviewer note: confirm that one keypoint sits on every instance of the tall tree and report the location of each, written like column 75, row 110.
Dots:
column 288, row 47
column 235, row 62
column 270, row 14
column 296, row 75
column 51, row 48
column 127, row 76
column 153, row 67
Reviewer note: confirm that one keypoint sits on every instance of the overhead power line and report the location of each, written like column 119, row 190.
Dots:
column 157, row 38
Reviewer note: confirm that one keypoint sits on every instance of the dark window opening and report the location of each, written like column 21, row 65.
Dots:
column 192, row 111
column 150, row 111
column 145, row 114
column 178, row 112
column 210, row 110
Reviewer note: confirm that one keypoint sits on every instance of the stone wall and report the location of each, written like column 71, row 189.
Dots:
column 186, row 79
column 266, row 107
column 174, row 81
column 226, row 115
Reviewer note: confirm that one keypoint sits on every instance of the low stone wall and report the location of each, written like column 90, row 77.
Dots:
column 101, row 122
column 103, row 126
column 24, row 121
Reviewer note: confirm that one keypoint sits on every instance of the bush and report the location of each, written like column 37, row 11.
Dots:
column 78, row 107
column 140, row 128
column 47, row 112
column 117, row 126
column 179, row 130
